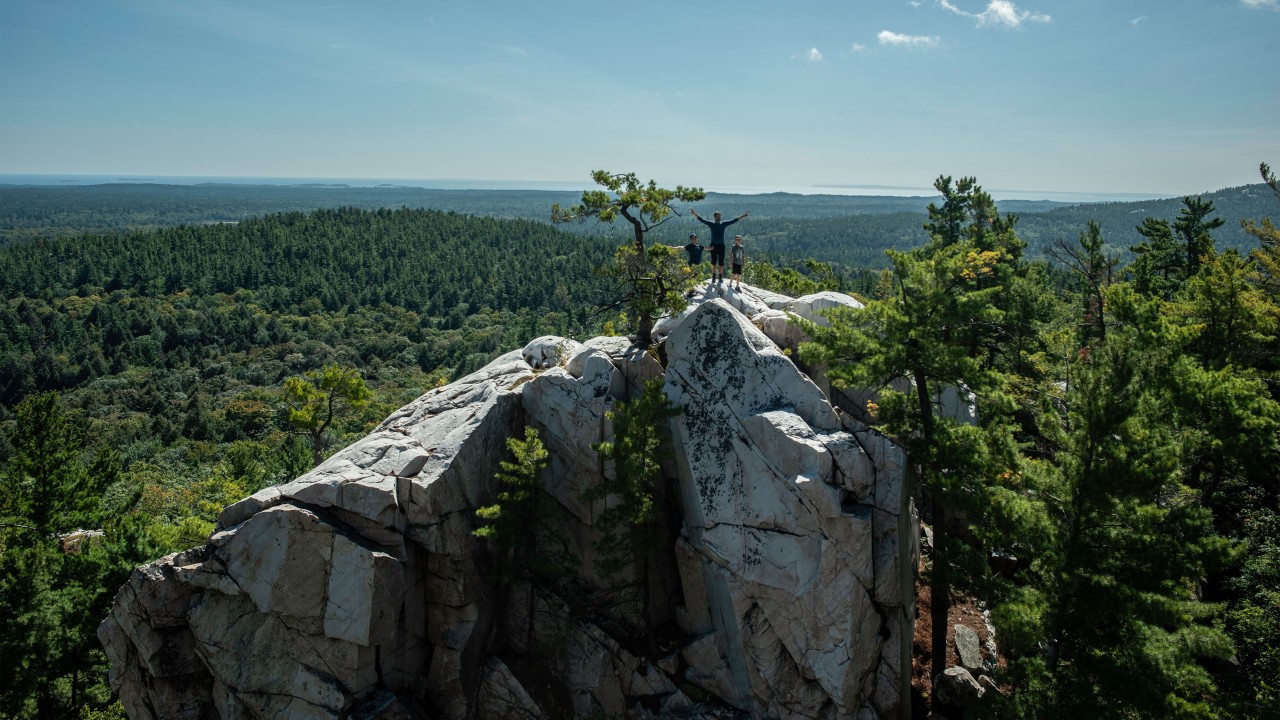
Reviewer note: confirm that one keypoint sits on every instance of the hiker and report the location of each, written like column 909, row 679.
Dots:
column 694, row 250
column 717, row 241
column 737, row 258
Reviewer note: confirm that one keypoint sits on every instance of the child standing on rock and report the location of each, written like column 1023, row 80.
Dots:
column 737, row 258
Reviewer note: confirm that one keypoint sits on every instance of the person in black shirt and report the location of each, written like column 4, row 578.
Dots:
column 694, row 250
column 717, row 241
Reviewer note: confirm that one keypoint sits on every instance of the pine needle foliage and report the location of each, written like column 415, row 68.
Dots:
column 525, row 523
column 636, row 451
column 630, row 534
column 63, row 554
column 654, row 277
column 961, row 315
column 315, row 398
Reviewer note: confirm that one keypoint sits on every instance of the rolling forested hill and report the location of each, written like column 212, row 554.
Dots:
column 847, row 230
column 79, row 304
column 42, row 210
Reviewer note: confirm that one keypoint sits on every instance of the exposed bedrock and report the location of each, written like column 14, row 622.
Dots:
column 783, row 589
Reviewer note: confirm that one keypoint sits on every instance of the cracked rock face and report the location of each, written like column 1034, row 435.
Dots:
column 786, row 515
column 359, row 591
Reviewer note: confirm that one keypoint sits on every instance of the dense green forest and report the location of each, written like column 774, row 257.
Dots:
column 147, row 377
column 1127, row 457
column 1124, row 473
column 851, row 230
column 44, row 211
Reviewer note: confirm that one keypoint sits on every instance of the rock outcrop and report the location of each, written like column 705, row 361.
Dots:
column 783, row 587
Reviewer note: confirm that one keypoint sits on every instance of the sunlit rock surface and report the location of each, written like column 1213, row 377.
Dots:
column 782, row 590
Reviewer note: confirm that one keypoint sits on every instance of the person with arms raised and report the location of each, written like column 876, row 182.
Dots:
column 717, row 241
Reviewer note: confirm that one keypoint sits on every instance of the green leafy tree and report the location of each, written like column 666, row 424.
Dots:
column 315, row 398
column 630, row 534
column 1266, row 258
column 656, row 278
column 1234, row 322
column 1253, row 618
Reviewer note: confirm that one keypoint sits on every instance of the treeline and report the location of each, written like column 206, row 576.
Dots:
column 1119, row 222
column 850, row 230
column 427, row 261
column 29, row 211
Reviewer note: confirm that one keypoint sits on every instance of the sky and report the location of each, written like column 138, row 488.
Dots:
column 1123, row 96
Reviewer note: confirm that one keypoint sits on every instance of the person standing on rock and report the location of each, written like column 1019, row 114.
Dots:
column 737, row 258
column 717, row 241
column 694, row 250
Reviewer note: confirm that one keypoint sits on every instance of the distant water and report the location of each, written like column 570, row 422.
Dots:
column 449, row 184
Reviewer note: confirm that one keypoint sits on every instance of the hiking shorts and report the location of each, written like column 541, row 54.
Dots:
column 737, row 269
column 717, row 255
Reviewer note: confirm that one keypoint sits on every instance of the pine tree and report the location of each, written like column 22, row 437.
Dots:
column 655, row 277
column 314, row 399
column 1173, row 253
column 630, row 535
column 525, row 524
column 61, row 560
column 1106, row 622
column 1095, row 270
column 948, row 321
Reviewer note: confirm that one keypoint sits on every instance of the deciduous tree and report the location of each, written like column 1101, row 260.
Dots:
column 315, row 398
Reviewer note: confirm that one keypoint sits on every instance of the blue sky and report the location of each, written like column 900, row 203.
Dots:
column 1175, row 96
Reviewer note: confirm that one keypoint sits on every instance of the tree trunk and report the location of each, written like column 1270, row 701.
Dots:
column 939, row 582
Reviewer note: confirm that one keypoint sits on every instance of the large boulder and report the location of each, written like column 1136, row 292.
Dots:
column 360, row 574
column 359, row 590
column 786, row 516
column 956, row 687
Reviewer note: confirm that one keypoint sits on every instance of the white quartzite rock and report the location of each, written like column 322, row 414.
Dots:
column 812, row 307
column 549, row 351
column 358, row 590
column 784, row 541
column 310, row 589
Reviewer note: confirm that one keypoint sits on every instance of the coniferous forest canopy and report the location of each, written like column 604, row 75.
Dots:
column 164, row 350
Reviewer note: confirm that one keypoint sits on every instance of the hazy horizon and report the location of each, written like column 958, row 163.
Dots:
column 81, row 179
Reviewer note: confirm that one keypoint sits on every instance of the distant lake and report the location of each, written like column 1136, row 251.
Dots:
column 449, row 184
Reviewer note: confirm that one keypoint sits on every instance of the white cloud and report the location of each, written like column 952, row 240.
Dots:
column 1137, row 20
column 889, row 37
column 1269, row 4
column 1004, row 12
column 813, row 55
column 515, row 50
column 857, row 47
column 914, row 3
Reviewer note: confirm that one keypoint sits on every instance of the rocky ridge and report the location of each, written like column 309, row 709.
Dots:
column 784, row 589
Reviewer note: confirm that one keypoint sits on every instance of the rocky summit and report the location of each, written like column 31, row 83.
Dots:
column 782, row 589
